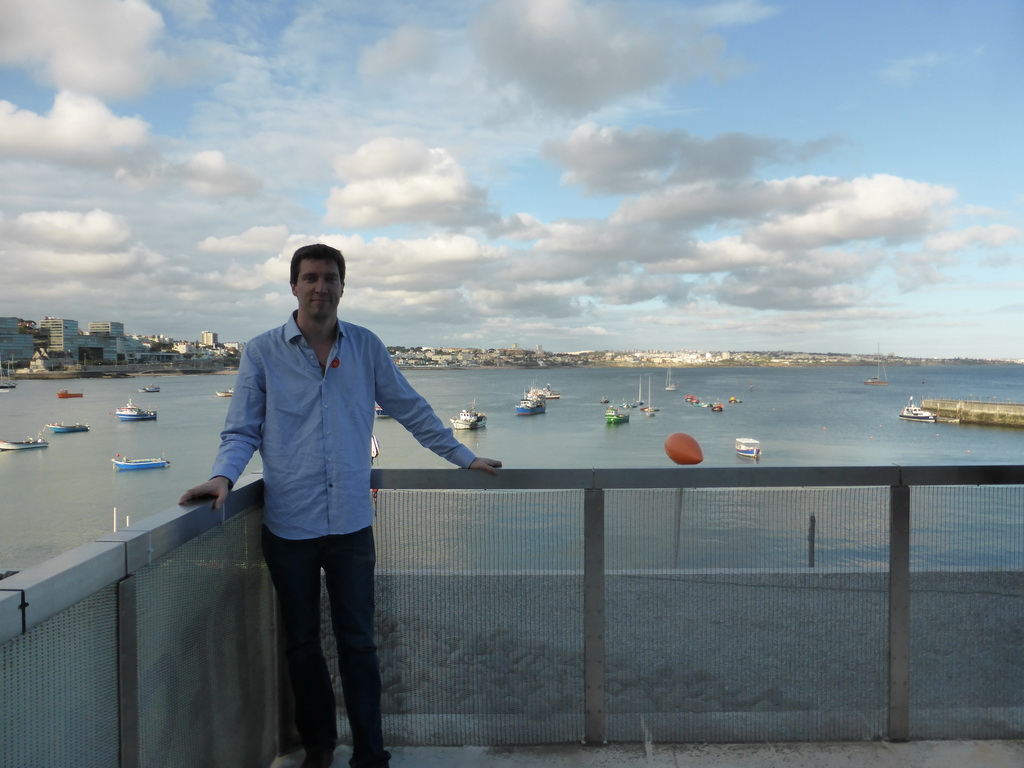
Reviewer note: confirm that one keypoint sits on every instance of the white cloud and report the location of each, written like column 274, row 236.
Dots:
column 83, row 250
column 987, row 236
column 910, row 69
column 79, row 130
column 101, row 47
column 570, row 56
column 880, row 207
column 209, row 174
column 393, row 180
column 801, row 213
column 410, row 50
column 686, row 205
column 67, row 230
column 611, row 160
column 189, row 12
column 253, row 240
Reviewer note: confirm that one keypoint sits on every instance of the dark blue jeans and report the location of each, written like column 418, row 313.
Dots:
column 348, row 561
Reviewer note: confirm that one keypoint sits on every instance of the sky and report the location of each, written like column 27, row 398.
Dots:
column 565, row 174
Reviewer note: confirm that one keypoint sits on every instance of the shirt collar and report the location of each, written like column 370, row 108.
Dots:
column 292, row 332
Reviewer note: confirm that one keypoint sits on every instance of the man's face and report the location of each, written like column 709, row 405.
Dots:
column 318, row 289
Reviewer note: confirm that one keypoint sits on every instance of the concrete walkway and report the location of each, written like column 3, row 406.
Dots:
column 870, row 754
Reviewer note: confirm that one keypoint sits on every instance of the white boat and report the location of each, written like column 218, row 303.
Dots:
column 120, row 462
column 150, row 388
column 229, row 392
column 749, row 447
column 469, row 418
column 914, row 412
column 132, row 412
column 549, row 393
column 21, row 445
column 670, row 386
column 378, row 412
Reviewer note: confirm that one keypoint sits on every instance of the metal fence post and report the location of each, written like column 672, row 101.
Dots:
column 899, row 613
column 128, row 671
column 593, row 616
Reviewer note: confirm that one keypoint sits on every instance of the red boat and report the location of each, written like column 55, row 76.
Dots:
column 62, row 393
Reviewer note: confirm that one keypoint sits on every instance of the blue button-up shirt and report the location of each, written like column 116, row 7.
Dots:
column 313, row 427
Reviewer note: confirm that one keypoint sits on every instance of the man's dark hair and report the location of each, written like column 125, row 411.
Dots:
column 319, row 252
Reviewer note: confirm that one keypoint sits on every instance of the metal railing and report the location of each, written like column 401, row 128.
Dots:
column 752, row 603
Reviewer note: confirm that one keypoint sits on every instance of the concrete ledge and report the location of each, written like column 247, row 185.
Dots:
column 877, row 754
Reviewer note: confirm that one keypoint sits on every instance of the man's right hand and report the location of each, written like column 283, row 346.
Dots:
column 217, row 487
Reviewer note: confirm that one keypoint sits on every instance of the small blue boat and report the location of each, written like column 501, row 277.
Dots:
column 62, row 427
column 749, row 447
column 126, row 463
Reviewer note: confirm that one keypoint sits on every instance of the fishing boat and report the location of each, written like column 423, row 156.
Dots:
column 132, row 412
column 62, row 427
column 604, row 400
column 531, row 405
column 735, row 400
column 469, row 418
column 64, row 394
column 748, row 447
column 616, row 415
column 670, row 386
column 549, row 393
column 150, row 388
column 914, row 412
column 123, row 462
column 21, row 445
column 717, row 407
column 229, row 392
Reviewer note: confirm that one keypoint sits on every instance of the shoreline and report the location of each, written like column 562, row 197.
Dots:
column 101, row 373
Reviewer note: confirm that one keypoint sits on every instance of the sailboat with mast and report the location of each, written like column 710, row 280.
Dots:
column 6, row 379
column 879, row 379
column 670, row 386
column 649, row 409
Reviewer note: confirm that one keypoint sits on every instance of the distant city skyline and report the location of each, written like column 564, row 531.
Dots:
column 731, row 174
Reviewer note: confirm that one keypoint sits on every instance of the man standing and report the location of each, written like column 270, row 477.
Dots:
column 304, row 398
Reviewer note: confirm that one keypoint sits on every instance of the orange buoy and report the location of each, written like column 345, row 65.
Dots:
column 683, row 449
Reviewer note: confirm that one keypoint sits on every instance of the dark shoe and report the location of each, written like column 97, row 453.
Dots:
column 318, row 760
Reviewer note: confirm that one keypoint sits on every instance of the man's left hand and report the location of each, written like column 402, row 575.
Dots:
column 487, row 465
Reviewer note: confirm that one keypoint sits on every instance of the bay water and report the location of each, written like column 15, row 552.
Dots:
column 57, row 498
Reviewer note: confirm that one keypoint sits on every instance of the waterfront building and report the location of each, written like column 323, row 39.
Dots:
column 106, row 327
column 14, row 345
column 208, row 339
column 104, row 341
column 63, row 335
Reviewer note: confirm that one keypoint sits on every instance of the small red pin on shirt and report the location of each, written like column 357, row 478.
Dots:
column 335, row 363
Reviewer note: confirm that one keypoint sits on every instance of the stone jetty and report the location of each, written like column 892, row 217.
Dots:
column 976, row 412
